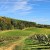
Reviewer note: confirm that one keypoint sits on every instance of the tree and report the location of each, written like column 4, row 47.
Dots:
column 3, row 25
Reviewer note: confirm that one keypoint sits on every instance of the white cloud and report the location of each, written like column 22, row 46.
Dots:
column 40, row 20
column 20, row 5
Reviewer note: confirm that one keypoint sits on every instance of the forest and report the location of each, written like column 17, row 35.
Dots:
column 10, row 23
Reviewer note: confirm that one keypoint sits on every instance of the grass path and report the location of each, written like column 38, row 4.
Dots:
column 12, row 46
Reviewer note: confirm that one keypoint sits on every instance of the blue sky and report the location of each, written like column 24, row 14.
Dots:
column 31, row 10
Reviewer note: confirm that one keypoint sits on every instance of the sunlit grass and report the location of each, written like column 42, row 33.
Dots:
column 10, row 36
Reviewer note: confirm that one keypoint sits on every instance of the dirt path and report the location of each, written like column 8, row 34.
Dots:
column 12, row 46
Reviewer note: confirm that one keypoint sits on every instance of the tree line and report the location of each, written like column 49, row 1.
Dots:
column 9, row 23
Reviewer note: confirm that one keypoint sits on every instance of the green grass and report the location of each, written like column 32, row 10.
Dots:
column 10, row 36
column 26, row 32
column 31, row 43
column 39, row 30
column 13, row 33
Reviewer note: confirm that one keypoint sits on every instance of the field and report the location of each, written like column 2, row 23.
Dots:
column 26, row 39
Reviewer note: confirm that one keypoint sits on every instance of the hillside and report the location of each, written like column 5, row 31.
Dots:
column 10, row 23
column 23, row 35
column 25, row 39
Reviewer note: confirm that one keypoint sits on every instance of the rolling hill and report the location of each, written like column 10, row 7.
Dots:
column 23, row 35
